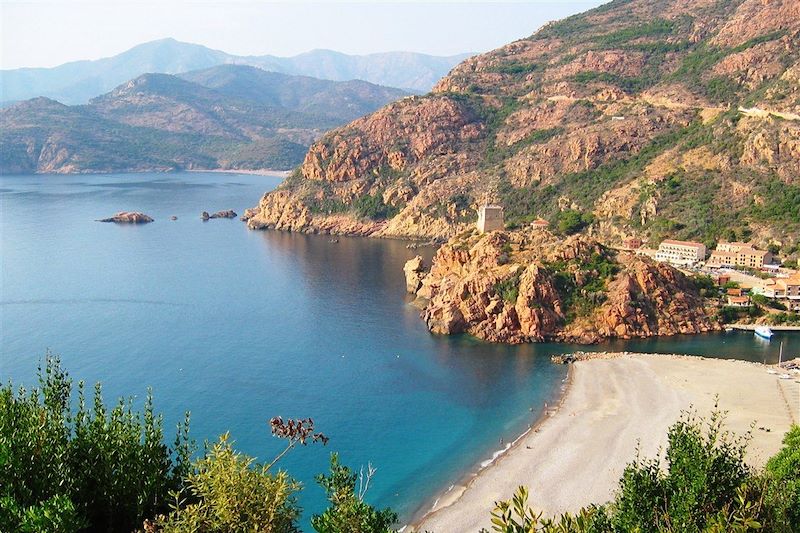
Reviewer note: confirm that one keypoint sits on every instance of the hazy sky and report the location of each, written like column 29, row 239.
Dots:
column 45, row 33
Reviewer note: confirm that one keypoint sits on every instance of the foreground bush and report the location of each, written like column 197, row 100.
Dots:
column 108, row 470
column 229, row 492
column 96, row 468
column 702, row 485
column 348, row 511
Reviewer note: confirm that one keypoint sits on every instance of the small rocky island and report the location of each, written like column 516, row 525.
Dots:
column 228, row 213
column 128, row 217
column 515, row 287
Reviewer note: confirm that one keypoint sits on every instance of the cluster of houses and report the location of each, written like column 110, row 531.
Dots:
column 784, row 289
column 727, row 261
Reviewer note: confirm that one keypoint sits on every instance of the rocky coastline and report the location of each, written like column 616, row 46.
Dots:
column 518, row 287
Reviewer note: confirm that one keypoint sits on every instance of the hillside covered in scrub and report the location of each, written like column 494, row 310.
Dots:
column 652, row 117
column 228, row 116
column 514, row 288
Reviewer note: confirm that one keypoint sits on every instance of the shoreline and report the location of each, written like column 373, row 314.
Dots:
column 454, row 492
column 608, row 402
column 252, row 172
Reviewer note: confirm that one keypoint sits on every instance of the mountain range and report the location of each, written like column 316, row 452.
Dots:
column 645, row 118
column 77, row 82
column 227, row 116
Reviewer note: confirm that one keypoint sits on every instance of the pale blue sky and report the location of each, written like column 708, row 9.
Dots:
column 43, row 33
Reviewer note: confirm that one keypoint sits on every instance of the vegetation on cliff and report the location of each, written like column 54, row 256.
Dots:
column 523, row 286
column 650, row 117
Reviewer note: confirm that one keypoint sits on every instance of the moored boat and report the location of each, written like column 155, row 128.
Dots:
column 764, row 332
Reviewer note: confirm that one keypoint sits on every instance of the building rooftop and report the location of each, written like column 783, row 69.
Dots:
column 683, row 243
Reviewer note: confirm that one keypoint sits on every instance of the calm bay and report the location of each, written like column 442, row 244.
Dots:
column 238, row 326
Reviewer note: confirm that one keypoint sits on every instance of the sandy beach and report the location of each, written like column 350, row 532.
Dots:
column 576, row 455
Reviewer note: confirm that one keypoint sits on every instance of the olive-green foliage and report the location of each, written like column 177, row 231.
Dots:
column 781, row 203
column 571, row 221
column 105, row 469
column 508, row 289
column 653, row 28
column 784, row 319
column 54, row 514
column 515, row 68
column 348, row 512
column 371, row 206
column 514, row 516
column 702, row 486
column 763, row 301
column 230, row 492
column 706, row 285
column 580, row 299
column 783, row 473
column 703, row 469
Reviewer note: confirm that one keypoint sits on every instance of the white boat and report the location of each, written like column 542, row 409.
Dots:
column 764, row 332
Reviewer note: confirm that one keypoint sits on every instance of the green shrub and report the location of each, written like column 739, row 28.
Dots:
column 783, row 474
column 348, row 511
column 372, row 207
column 105, row 468
column 230, row 492
column 704, row 486
column 571, row 221
column 653, row 28
column 508, row 289
column 704, row 470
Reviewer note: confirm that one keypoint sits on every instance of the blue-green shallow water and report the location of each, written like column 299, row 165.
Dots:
column 238, row 326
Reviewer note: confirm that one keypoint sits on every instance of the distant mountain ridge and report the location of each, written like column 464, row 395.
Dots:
column 228, row 116
column 79, row 81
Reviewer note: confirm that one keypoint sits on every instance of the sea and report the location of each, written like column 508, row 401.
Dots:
column 237, row 326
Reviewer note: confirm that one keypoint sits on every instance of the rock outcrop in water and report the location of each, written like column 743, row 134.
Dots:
column 228, row 213
column 630, row 112
column 516, row 287
column 128, row 217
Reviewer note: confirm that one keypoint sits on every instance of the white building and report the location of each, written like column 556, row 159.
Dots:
column 680, row 252
column 490, row 218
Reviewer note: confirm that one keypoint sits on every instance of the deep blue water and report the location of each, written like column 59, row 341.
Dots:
column 238, row 326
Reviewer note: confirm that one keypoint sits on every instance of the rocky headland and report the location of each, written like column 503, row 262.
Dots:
column 128, row 217
column 517, row 287
column 653, row 118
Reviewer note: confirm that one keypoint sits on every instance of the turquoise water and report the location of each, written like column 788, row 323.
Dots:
column 238, row 326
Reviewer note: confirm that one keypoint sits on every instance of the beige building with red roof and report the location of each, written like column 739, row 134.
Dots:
column 681, row 252
column 729, row 254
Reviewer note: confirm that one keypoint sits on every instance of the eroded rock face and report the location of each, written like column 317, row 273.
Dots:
column 514, row 287
column 414, row 270
column 128, row 217
column 602, row 109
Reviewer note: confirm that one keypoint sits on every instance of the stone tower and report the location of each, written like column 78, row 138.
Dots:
column 490, row 218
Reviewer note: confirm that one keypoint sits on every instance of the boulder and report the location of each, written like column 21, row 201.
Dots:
column 414, row 270
column 128, row 217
